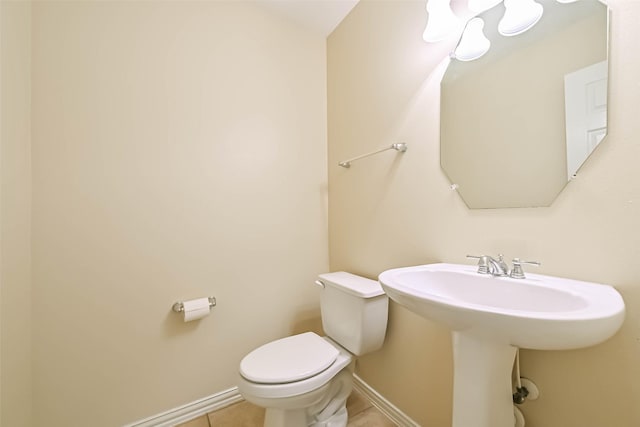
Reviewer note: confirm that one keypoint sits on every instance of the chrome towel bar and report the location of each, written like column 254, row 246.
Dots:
column 398, row 146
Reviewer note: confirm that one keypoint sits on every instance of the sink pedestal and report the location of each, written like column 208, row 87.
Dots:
column 482, row 393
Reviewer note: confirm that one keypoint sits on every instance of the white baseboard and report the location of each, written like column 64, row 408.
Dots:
column 217, row 401
column 383, row 405
column 192, row 410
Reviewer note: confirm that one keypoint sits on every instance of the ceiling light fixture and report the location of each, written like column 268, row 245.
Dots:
column 473, row 43
column 519, row 16
column 479, row 6
column 441, row 23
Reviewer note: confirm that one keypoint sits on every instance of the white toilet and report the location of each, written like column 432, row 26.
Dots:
column 304, row 380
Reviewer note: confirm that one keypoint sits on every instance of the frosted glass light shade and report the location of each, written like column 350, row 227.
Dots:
column 519, row 16
column 479, row 6
column 473, row 43
column 442, row 22
column 566, row 1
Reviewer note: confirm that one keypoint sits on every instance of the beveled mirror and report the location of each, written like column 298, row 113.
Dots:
column 517, row 123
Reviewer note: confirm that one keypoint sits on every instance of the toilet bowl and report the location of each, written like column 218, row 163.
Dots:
column 296, row 378
column 304, row 380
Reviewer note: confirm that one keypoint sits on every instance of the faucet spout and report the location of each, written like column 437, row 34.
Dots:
column 497, row 267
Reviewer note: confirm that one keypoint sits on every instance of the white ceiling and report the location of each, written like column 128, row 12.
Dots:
column 322, row 16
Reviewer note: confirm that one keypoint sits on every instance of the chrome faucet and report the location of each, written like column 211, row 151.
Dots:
column 498, row 268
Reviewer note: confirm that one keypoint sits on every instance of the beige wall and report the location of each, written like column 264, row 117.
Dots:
column 394, row 210
column 15, row 214
column 179, row 151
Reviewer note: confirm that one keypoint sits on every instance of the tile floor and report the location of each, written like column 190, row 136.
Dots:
column 244, row 414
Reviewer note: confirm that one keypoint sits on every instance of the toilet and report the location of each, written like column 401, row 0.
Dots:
column 304, row 380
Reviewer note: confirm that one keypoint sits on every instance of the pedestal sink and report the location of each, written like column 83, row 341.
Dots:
column 490, row 317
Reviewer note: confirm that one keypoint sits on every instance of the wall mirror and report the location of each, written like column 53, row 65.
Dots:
column 517, row 123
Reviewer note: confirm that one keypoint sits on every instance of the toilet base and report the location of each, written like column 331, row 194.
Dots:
column 332, row 410
column 325, row 407
column 285, row 418
column 282, row 418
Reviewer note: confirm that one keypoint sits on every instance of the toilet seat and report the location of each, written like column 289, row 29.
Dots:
column 272, row 390
column 289, row 359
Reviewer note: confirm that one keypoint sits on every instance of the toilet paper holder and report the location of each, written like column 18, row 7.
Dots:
column 179, row 306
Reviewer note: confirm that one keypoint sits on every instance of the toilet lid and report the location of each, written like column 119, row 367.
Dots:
column 288, row 359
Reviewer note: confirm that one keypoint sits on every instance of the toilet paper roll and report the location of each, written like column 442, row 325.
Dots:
column 195, row 309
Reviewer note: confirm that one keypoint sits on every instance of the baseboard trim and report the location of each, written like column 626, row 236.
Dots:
column 217, row 401
column 192, row 410
column 383, row 405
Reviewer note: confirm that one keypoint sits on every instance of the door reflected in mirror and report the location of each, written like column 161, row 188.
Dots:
column 517, row 123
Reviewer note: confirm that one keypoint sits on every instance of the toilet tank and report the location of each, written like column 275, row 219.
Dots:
column 354, row 311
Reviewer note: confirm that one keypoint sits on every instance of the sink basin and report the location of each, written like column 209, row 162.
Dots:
column 491, row 317
column 539, row 312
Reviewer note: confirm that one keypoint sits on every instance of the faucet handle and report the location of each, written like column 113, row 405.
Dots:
column 483, row 263
column 517, row 272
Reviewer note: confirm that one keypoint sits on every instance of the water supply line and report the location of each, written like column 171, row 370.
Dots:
column 518, row 381
column 525, row 388
column 521, row 392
